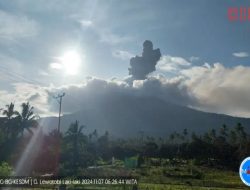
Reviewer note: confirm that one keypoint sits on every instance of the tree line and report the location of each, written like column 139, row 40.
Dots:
column 72, row 152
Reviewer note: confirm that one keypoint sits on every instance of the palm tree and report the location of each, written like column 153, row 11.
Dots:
column 224, row 131
column 241, row 135
column 223, row 137
column 185, row 134
column 233, row 137
column 212, row 134
column 10, row 125
column 75, row 136
column 10, row 111
column 75, row 130
column 27, row 118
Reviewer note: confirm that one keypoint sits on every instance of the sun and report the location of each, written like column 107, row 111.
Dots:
column 71, row 62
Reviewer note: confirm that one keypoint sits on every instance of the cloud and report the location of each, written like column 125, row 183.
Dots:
column 141, row 66
column 110, row 37
column 241, row 54
column 105, row 35
column 13, row 70
column 14, row 27
column 86, row 23
column 10, row 69
column 123, row 55
column 210, row 87
column 43, row 73
column 213, row 88
column 193, row 59
column 94, row 91
column 22, row 92
column 170, row 90
column 91, row 93
column 220, row 89
column 57, row 66
column 169, row 63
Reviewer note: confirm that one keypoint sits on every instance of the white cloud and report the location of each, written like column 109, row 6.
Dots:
column 86, row 23
column 123, row 55
column 23, row 92
column 57, row 66
column 110, row 37
column 105, row 34
column 212, row 88
column 10, row 69
column 43, row 73
column 193, row 58
column 220, row 89
column 14, row 27
column 241, row 54
column 169, row 63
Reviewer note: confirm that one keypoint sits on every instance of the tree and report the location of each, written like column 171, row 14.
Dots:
column 233, row 137
column 172, row 137
column 185, row 134
column 104, row 146
column 95, row 134
column 10, row 111
column 224, row 131
column 212, row 135
column 2, row 138
column 241, row 138
column 150, row 149
column 27, row 118
column 5, row 169
column 10, row 127
column 74, row 134
column 207, row 138
column 241, row 134
column 75, row 141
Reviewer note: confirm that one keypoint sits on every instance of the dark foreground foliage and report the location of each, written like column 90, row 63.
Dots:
column 71, row 153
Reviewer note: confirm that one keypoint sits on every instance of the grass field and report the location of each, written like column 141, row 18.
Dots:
column 167, row 176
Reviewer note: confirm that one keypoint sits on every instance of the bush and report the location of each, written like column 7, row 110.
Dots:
column 198, row 174
column 5, row 169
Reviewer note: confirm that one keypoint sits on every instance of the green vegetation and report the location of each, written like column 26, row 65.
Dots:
column 5, row 169
column 179, row 161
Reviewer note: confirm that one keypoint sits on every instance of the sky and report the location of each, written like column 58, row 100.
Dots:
column 47, row 47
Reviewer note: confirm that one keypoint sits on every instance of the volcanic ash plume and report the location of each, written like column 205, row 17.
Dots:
column 141, row 66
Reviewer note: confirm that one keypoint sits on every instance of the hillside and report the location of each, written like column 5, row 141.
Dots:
column 126, row 116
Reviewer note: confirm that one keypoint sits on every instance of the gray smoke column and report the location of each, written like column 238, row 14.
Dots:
column 141, row 66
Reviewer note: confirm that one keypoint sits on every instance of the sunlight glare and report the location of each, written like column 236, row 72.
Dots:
column 71, row 62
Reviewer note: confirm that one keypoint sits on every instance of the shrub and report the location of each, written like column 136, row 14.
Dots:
column 5, row 169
